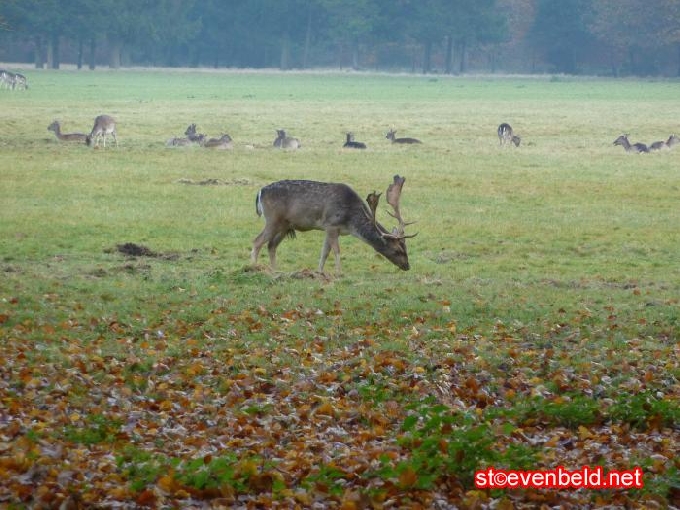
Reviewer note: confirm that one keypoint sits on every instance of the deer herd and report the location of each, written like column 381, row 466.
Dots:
column 291, row 206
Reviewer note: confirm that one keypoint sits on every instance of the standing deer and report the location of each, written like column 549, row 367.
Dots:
column 283, row 141
column 103, row 125
column 391, row 135
column 66, row 137
column 13, row 81
column 334, row 208
column 19, row 82
column 506, row 135
column 637, row 148
column 661, row 145
column 6, row 79
column 351, row 144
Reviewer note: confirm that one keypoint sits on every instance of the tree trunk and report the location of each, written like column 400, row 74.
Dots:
column 308, row 38
column 463, row 50
column 49, row 53
column 38, row 57
column 355, row 54
column 93, row 47
column 115, row 50
column 54, row 47
column 427, row 57
column 449, row 54
column 285, row 52
column 81, row 45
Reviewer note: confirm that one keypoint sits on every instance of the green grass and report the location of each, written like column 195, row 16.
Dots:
column 543, row 294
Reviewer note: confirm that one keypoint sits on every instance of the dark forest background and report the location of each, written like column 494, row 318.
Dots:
column 605, row 37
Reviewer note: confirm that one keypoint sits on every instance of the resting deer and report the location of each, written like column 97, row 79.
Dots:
column 193, row 136
column 66, row 137
column 334, row 208
column 506, row 135
column 103, row 125
column 178, row 142
column 391, row 135
column 637, row 148
column 661, row 145
column 223, row 142
column 284, row 141
column 351, row 144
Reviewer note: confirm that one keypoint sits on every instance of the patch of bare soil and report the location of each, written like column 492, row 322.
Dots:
column 135, row 250
column 139, row 250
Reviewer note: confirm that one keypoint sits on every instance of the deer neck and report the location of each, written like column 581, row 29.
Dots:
column 372, row 233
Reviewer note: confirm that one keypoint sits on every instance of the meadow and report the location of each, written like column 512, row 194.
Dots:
column 537, row 327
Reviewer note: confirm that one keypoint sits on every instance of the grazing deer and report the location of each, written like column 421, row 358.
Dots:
column 391, row 136
column 194, row 137
column 351, row 144
column 12, row 80
column 637, row 148
column 66, row 137
column 103, row 125
column 223, row 142
column 283, row 141
column 506, row 135
column 334, row 208
column 661, row 145
column 19, row 81
column 6, row 78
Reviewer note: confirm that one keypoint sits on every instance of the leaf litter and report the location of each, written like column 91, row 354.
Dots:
column 307, row 408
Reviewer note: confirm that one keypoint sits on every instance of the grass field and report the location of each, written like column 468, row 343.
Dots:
column 538, row 326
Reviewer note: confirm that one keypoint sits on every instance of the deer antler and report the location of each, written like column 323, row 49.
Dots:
column 372, row 200
column 393, row 196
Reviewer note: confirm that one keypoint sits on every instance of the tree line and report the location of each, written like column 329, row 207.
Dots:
column 618, row 37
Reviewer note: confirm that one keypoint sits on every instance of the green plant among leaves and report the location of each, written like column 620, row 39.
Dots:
column 644, row 411
column 565, row 411
column 327, row 479
column 141, row 468
column 96, row 429
column 442, row 443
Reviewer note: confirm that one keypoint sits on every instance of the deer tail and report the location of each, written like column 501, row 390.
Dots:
column 258, row 203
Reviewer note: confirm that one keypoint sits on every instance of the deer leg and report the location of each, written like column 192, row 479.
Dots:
column 255, row 252
column 330, row 242
column 272, row 245
column 258, row 243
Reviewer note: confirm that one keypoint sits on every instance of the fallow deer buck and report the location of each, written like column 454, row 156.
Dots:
column 391, row 135
column 104, row 125
column 506, row 135
column 66, row 137
column 299, row 205
column 637, row 148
